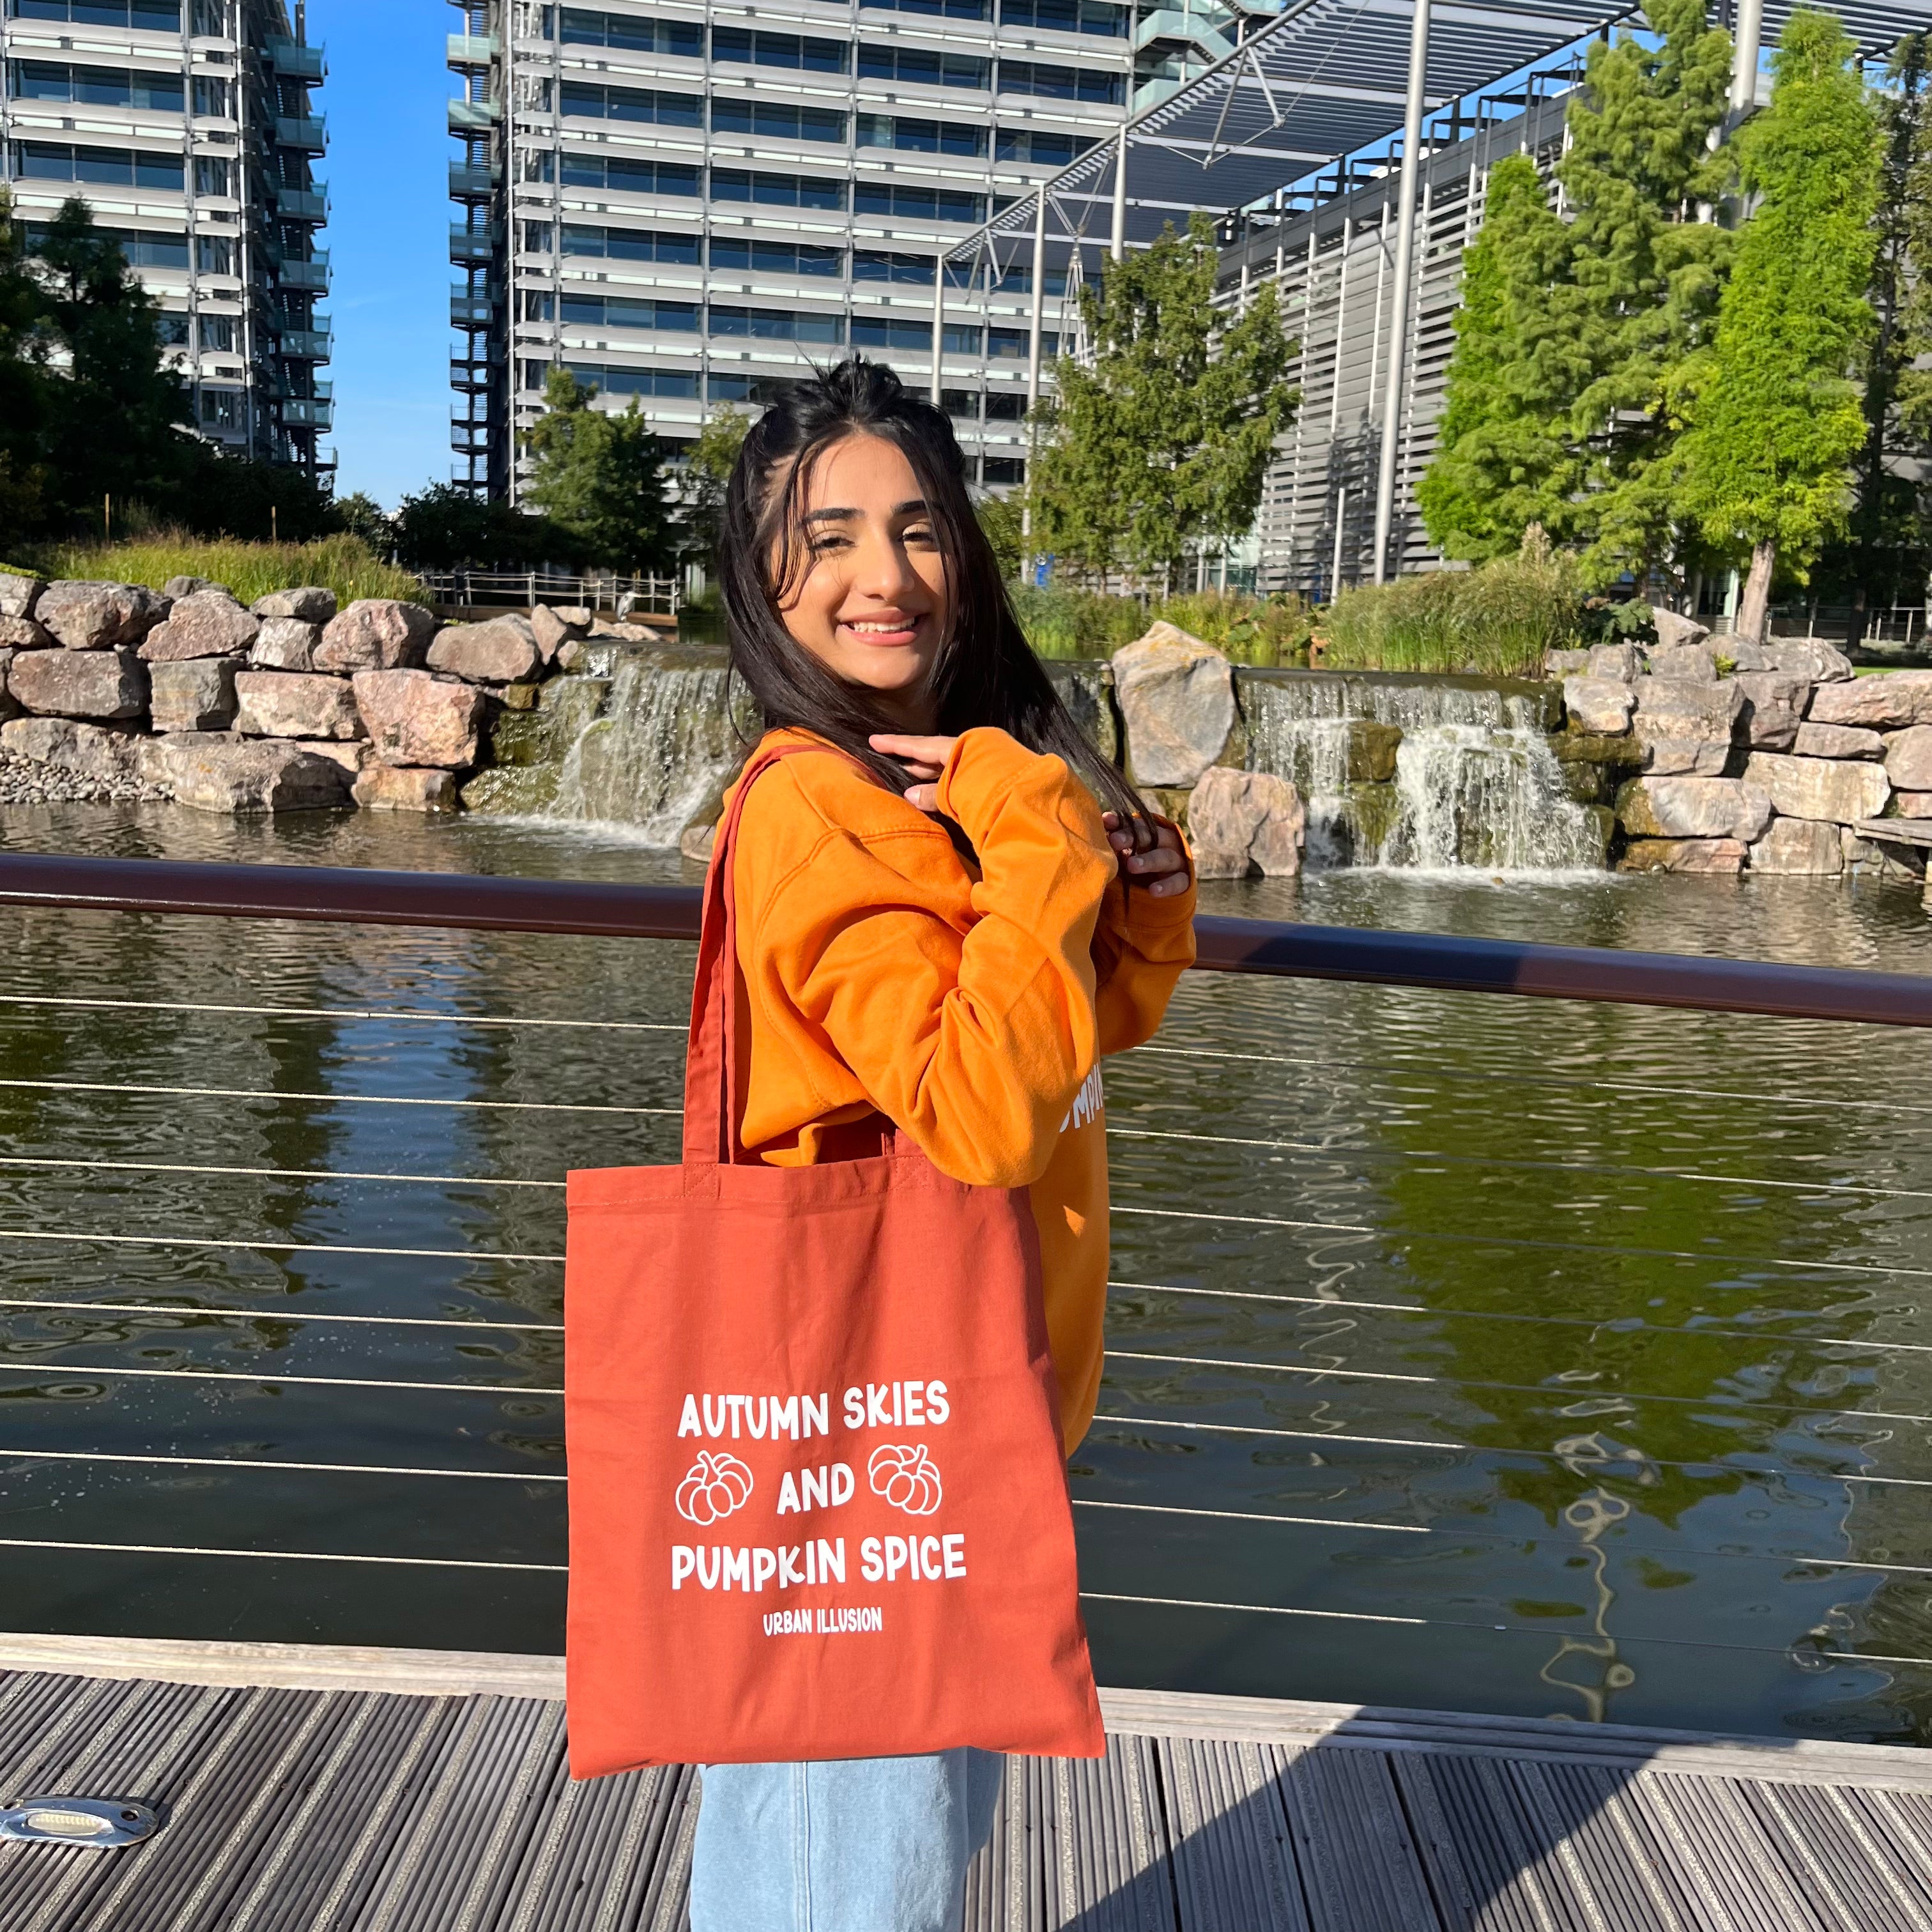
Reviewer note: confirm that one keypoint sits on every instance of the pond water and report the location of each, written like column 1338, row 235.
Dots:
column 1467, row 1352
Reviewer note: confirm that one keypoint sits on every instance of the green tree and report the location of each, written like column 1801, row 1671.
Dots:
column 445, row 527
column 599, row 478
column 25, row 478
column 1779, row 416
column 361, row 516
column 1164, row 437
column 708, row 464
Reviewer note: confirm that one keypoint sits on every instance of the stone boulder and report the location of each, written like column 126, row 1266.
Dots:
column 1177, row 698
column 1686, row 725
column 1599, row 704
column 1837, row 741
column 1242, row 822
column 195, row 694
column 375, row 634
column 86, row 616
column 352, row 754
column 97, row 684
column 1838, row 791
column 1773, row 708
column 1675, row 631
column 1693, row 808
column 23, row 634
column 405, row 788
column 209, row 624
column 294, row 704
column 1742, row 654
column 498, row 652
column 553, row 626
column 218, row 772
column 89, row 749
column 1812, row 659
column 1888, row 701
column 416, row 717
column 311, row 603
column 1697, row 664
column 285, row 643
column 1683, row 855
column 1912, row 804
column 19, row 594
column 1568, row 663
column 1623, row 662
column 1908, row 758
column 1799, row 848
column 186, row 586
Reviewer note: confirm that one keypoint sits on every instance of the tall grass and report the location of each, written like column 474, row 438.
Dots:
column 1497, row 620
column 1069, row 623
column 346, row 564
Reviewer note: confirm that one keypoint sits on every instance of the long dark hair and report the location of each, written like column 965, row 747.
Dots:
column 984, row 672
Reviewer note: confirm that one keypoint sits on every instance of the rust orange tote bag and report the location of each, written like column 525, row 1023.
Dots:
column 818, row 1508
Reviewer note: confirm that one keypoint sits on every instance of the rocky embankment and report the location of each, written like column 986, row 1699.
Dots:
column 115, row 691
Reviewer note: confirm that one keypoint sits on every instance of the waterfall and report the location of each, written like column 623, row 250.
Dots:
column 1471, row 781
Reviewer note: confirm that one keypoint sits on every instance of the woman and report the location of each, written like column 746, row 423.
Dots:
column 955, row 954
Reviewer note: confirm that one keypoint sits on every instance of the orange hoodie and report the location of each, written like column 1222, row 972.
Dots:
column 971, row 1008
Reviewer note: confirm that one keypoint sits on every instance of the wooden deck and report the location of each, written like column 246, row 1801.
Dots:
column 315, row 1790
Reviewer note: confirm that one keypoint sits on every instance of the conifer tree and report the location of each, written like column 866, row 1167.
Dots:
column 1778, row 412
column 599, row 477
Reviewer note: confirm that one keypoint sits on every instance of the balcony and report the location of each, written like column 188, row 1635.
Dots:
column 306, row 345
column 312, row 273
column 297, row 62
column 1213, row 30
column 477, row 245
column 467, row 311
column 472, row 49
column 464, row 375
column 301, row 204
column 308, row 412
column 308, row 132
column 473, row 117
column 469, row 184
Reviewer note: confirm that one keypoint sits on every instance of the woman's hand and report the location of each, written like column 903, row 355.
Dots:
column 924, row 757
column 1161, row 867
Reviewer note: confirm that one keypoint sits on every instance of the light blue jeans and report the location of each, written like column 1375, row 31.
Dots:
column 874, row 1844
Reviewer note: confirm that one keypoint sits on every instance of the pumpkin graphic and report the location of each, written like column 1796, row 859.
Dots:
column 905, row 1478
column 712, row 1488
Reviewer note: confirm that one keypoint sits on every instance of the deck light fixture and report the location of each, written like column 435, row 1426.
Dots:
column 101, row 1822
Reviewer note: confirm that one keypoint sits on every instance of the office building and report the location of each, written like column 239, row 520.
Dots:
column 188, row 127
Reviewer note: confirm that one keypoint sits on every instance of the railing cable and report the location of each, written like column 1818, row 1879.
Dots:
column 356, row 1100
column 412, row 1013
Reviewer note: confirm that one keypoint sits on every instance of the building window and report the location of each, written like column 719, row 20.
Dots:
column 633, row 104
column 876, row 265
column 1062, row 83
column 783, row 123
column 950, row 10
column 755, row 48
column 917, row 204
column 97, row 86
column 156, row 16
column 121, row 167
column 213, row 175
column 963, row 405
column 777, row 191
column 584, row 28
column 538, row 164
column 747, row 388
column 776, row 325
column 214, row 98
column 921, row 137
column 629, row 244
column 535, row 375
column 1002, row 469
column 215, row 255
column 628, row 177
column 1008, row 345
column 171, row 331
column 1010, row 406
column 614, row 382
column 139, row 248
column 911, row 334
column 1018, row 280
column 627, row 312
column 221, row 409
column 781, row 258
column 1066, row 17
column 218, row 332
column 210, row 17
column 536, row 237
column 1043, row 150
column 928, row 70
column 538, row 306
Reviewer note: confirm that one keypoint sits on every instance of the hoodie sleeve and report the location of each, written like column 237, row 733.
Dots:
column 1141, row 946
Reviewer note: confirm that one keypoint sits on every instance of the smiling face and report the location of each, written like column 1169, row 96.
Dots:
column 867, row 594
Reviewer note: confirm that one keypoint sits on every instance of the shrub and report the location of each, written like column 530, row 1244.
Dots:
column 345, row 564
column 1062, row 622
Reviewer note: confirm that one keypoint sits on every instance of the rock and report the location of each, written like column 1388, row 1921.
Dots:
column 1686, row 725
column 416, row 717
column 1177, row 698
column 1837, row 789
column 1887, row 701
column 405, row 788
column 311, row 603
column 497, row 652
column 1812, row 659
column 187, row 586
column 553, row 627
column 1837, row 741
column 351, row 753
column 293, row 704
column 695, row 842
column 1675, row 632
column 1567, row 664
column 1602, row 705
column 197, row 694
column 1912, row 804
column 23, row 634
column 285, row 643
column 1683, row 855
column 88, row 748
column 1774, row 707
column 1908, row 758
column 86, row 616
column 1621, row 662
column 1798, row 848
column 209, row 624
column 1741, row 654
column 98, row 684
column 1693, row 808
column 216, row 771
column 19, row 594
column 1241, row 822
column 375, row 634
column 1697, row 663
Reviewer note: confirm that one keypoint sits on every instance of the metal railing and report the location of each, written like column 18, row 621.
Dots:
column 633, row 596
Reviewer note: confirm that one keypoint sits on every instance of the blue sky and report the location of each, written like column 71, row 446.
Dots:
column 388, row 236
